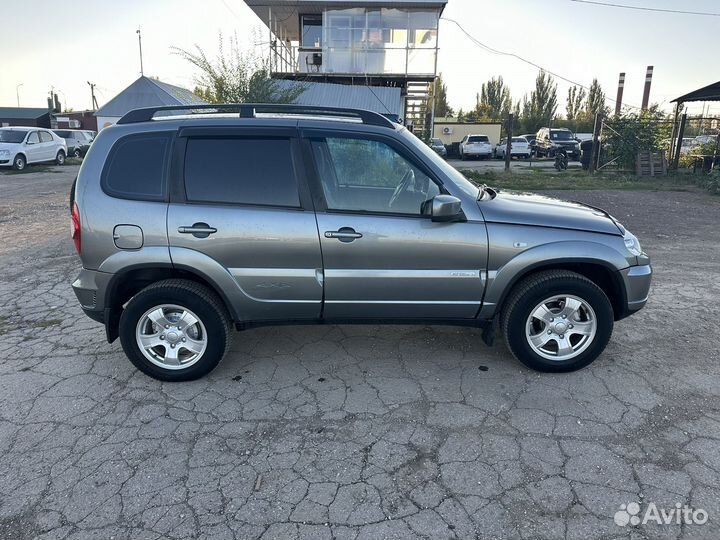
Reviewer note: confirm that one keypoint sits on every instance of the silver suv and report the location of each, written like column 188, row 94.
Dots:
column 265, row 215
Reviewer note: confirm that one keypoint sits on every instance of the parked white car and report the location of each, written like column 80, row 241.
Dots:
column 20, row 146
column 475, row 146
column 519, row 148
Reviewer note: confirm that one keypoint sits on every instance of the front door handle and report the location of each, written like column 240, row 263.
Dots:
column 198, row 230
column 344, row 234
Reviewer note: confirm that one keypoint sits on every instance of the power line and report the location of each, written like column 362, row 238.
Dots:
column 525, row 60
column 641, row 8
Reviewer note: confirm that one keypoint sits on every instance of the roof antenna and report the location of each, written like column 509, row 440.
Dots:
column 142, row 74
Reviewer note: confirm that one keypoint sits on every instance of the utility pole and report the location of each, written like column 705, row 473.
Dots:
column 508, row 145
column 92, row 94
column 595, row 154
column 678, row 144
column 621, row 88
column 142, row 72
column 648, row 82
column 17, row 93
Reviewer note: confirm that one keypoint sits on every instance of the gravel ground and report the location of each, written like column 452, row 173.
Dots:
column 357, row 432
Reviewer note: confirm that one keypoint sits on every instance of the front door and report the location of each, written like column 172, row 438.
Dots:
column 243, row 214
column 33, row 148
column 383, row 255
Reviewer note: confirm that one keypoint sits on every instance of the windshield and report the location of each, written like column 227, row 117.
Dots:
column 436, row 142
column 457, row 178
column 478, row 138
column 12, row 135
column 561, row 136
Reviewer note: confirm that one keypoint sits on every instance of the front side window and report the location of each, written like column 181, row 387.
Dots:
column 369, row 176
column 33, row 138
column 136, row 167
column 232, row 170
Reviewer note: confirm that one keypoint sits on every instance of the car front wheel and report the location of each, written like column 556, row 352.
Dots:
column 175, row 330
column 19, row 163
column 557, row 321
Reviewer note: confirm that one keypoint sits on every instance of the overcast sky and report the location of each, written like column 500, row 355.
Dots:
column 44, row 44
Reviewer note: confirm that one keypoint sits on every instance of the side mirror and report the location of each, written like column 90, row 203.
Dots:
column 446, row 208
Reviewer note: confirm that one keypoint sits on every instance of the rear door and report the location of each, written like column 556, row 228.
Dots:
column 48, row 145
column 383, row 255
column 241, row 213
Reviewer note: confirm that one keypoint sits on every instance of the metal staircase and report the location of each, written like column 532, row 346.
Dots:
column 418, row 105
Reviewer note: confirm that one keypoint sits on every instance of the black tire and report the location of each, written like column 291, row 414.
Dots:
column 77, row 153
column 19, row 162
column 193, row 296
column 60, row 158
column 533, row 290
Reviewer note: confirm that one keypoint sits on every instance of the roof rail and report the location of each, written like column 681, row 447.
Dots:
column 250, row 110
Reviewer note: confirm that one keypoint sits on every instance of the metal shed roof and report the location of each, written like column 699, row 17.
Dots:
column 23, row 112
column 710, row 92
column 381, row 99
column 147, row 92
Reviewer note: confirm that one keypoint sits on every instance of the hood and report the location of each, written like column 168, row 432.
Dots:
column 521, row 208
column 9, row 146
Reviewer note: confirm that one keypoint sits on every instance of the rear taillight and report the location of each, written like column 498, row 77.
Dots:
column 75, row 227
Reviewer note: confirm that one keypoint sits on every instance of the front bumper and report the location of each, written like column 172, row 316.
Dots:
column 636, row 280
column 90, row 288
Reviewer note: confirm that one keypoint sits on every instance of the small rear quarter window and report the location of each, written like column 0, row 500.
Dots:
column 136, row 167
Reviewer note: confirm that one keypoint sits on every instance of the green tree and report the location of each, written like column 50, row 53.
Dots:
column 442, row 107
column 575, row 102
column 635, row 132
column 595, row 100
column 494, row 101
column 234, row 76
column 541, row 108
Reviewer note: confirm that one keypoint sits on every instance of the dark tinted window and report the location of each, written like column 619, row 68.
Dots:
column 478, row 138
column 241, row 171
column 136, row 167
column 63, row 134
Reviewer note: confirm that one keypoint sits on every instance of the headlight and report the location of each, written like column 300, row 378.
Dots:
column 632, row 243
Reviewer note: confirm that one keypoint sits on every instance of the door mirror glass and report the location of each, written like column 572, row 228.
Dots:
column 446, row 208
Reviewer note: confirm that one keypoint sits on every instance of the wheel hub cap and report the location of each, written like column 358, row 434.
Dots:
column 171, row 336
column 561, row 327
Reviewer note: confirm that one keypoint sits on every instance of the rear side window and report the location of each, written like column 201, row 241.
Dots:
column 136, row 167
column 241, row 171
column 45, row 137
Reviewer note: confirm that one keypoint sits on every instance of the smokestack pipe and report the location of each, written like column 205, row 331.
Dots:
column 621, row 88
column 648, row 82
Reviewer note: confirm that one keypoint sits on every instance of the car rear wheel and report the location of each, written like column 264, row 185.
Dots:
column 557, row 321
column 175, row 330
column 19, row 163
column 60, row 158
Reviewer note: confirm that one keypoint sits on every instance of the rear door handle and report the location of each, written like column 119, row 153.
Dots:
column 344, row 234
column 198, row 230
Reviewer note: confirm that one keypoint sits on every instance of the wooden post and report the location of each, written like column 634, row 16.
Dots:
column 678, row 144
column 508, row 146
column 595, row 154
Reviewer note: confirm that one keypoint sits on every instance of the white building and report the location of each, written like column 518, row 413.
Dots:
column 372, row 43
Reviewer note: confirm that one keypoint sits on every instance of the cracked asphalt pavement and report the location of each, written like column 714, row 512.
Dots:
column 360, row 432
